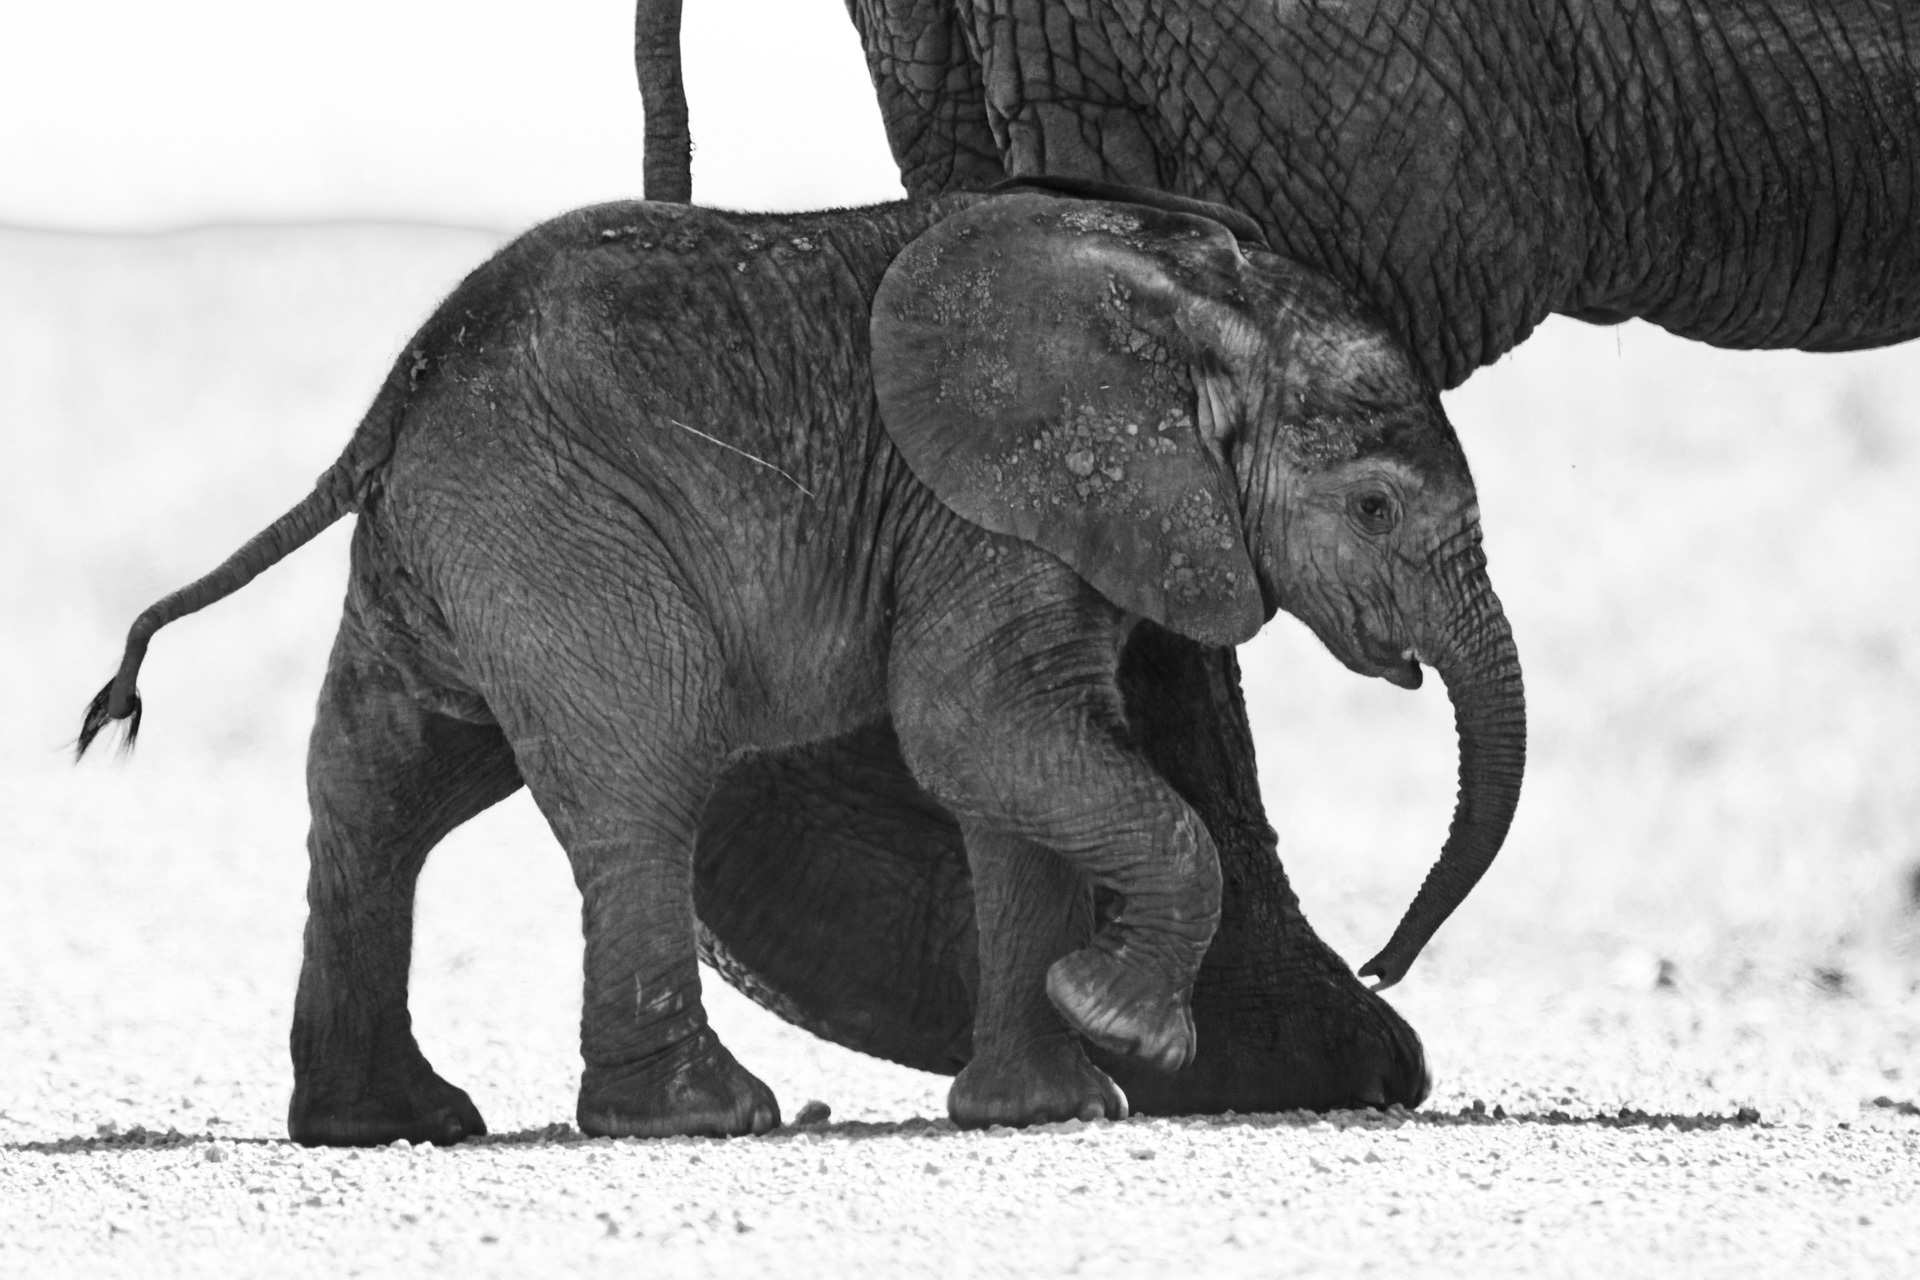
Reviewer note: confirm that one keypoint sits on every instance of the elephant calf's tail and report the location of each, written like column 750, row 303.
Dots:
column 331, row 499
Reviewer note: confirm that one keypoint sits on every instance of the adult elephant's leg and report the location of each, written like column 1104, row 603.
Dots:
column 1282, row 1021
column 386, row 779
column 932, row 94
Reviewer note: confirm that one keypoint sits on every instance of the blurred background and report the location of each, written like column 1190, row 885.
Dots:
column 223, row 220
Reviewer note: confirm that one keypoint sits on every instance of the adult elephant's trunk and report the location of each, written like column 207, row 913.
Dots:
column 1476, row 658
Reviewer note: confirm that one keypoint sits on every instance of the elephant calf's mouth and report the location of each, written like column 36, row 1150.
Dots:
column 1401, row 669
column 1367, row 655
column 1404, row 672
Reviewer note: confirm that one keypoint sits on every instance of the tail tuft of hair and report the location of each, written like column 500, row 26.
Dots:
column 98, row 718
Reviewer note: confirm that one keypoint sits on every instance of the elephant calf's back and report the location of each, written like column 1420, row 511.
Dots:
column 661, row 419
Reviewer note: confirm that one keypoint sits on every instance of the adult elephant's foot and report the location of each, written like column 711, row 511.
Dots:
column 694, row 1089
column 1283, row 1024
column 410, row 1102
column 1045, row 1082
column 1123, row 1007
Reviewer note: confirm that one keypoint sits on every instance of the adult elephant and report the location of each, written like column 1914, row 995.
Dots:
column 1744, row 172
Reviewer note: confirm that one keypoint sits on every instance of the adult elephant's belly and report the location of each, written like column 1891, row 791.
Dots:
column 835, row 892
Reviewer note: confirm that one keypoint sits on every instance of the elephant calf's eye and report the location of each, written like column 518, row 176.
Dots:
column 1373, row 510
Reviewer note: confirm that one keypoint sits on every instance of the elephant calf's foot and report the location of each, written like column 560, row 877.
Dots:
column 1123, row 1007
column 419, row 1107
column 694, row 1089
column 1046, row 1082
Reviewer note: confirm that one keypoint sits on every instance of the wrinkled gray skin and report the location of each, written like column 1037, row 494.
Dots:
column 641, row 501
column 1744, row 172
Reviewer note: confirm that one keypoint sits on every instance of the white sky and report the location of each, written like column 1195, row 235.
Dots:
column 137, row 114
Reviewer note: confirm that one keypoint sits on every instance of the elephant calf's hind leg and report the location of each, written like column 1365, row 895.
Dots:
column 386, row 780
column 626, row 812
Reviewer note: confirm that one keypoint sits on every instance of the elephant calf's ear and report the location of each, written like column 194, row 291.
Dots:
column 1035, row 361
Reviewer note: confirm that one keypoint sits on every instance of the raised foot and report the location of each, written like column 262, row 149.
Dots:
column 1045, row 1082
column 694, row 1089
column 420, row 1108
column 1123, row 1007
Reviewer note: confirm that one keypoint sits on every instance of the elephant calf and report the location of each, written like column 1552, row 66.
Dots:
column 657, row 486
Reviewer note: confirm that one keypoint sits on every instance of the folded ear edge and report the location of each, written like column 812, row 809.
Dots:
column 1244, row 229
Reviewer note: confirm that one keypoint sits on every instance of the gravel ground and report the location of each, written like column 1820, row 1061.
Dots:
column 1706, row 917
column 1266, row 1197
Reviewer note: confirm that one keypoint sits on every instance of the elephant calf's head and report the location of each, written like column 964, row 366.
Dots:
column 1207, row 433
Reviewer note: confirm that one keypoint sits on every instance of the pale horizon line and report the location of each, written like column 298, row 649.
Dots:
column 170, row 230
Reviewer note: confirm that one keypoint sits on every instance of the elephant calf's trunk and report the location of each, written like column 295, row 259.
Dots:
column 1481, row 669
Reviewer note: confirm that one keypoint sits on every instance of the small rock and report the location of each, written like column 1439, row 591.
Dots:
column 1141, row 1153
column 1832, row 980
column 215, row 1153
column 814, row 1112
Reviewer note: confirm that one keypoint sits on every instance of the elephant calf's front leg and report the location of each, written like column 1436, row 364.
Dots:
column 1131, row 991
column 1027, row 1067
column 1017, row 729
